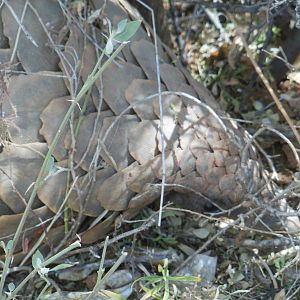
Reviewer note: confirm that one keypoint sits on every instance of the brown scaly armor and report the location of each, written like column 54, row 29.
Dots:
column 114, row 157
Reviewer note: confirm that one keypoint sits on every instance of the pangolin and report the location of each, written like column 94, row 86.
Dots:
column 109, row 158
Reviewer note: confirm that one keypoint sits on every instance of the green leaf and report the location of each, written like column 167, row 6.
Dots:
column 61, row 267
column 9, row 245
column 11, row 286
column 151, row 279
column 152, row 293
column 167, row 292
column 50, row 163
column 121, row 26
column 113, row 295
column 129, row 30
column 37, row 259
column 50, row 168
column 185, row 278
column 109, row 48
column 169, row 240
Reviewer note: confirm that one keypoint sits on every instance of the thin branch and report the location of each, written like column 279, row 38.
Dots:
column 270, row 89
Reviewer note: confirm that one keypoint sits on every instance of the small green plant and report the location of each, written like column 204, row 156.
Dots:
column 165, row 240
column 279, row 265
column 98, row 288
column 40, row 267
column 162, row 287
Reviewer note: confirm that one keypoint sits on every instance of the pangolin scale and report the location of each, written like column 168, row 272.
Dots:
column 112, row 147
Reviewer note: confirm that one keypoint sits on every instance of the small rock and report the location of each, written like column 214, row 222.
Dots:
column 125, row 290
column 119, row 279
column 201, row 265
column 78, row 273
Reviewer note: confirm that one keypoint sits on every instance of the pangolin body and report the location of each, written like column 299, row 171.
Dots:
column 113, row 147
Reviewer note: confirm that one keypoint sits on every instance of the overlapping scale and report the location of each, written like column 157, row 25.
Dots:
column 114, row 153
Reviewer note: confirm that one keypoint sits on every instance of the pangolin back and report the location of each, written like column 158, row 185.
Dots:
column 113, row 146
